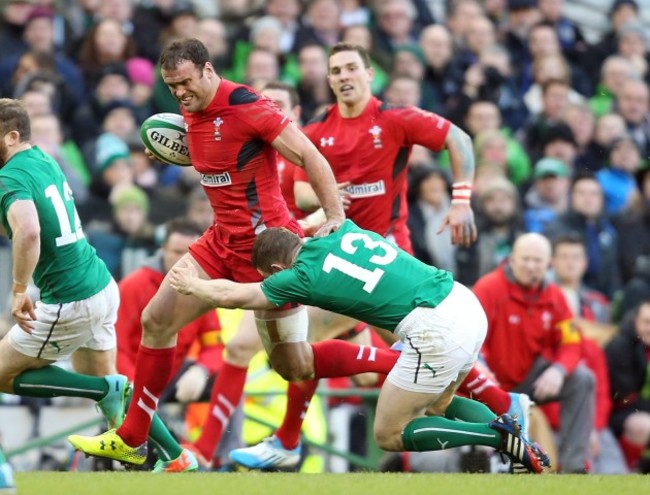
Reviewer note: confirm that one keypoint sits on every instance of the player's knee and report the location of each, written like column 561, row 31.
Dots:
column 389, row 439
column 239, row 352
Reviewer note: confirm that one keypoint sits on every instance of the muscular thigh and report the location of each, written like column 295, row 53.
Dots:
column 169, row 311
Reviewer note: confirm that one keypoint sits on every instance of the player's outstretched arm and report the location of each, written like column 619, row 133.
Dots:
column 219, row 293
column 460, row 217
column 298, row 149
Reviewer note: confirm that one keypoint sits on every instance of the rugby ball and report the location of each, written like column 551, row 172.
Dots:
column 165, row 136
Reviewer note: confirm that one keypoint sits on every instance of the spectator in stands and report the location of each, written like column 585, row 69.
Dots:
column 522, row 16
column 108, row 164
column 548, row 196
column 613, row 73
column 586, row 216
column 313, row 89
column 555, row 99
column 410, row 61
column 627, row 357
column 150, row 19
column 129, row 239
column 105, row 43
column 485, row 115
column 322, row 25
column 459, row 15
column 442, row 78
column 499, row 223
column 590, row 310
column 633, row 103
column 113, row 85
column 572, row 40
column 47, row 134
column 288, row 13
column 618, row 178
column 198, row 208
column 580, row 119
column 633, row 226
column 608, row 127
column 261, row 67
column 533, row 345
column 428, row 200
column 632, row 45
column 559, row 142
column 14, row 17
column 403, row 90
column 394, row 30
column 620, row 13
column 37, row 103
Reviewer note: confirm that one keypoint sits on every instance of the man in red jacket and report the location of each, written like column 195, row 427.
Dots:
column 533, row 345
column 136, row 290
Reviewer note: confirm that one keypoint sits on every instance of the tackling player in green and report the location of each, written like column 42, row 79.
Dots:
column 359, row 274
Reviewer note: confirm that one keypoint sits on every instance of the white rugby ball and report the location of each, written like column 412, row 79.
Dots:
column 165, row 136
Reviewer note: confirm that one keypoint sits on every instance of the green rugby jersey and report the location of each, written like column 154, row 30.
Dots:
column 359, row 274
column 68, row 268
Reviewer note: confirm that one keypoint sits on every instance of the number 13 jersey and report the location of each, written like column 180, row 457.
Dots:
column 359, row 274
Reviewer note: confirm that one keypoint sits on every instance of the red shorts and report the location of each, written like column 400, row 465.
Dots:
column 223, row 254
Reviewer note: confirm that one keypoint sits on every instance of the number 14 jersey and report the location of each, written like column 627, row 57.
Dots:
column 359, row 274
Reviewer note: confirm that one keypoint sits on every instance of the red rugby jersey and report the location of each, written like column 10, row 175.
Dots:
column 229, row 143
column 371, row 151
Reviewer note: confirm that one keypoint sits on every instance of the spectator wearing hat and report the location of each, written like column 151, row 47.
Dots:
column 142, row 76
column 617, row 179
column 548, row 196
column 129, row 238
column 586, row 216
column 499, row 223
column 620, row 12
column 109, row 165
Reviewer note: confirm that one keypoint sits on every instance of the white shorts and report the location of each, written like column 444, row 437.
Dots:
column 61, row 329
column 439, row 343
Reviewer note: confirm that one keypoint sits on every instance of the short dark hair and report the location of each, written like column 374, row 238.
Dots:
column 14, row 117
column 294, row 98
column 571, row 238
column 554, row 82
column 183, row 226
column 350, row 47
column 187, row 49
column 274, row 245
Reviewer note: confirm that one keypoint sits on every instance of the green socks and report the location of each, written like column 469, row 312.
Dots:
column 52, row 381
column 438, row 433
column 469, row 410
column 465, row 423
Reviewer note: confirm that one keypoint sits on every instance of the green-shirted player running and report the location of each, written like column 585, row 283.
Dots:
column 76, row 315
column 359, row 274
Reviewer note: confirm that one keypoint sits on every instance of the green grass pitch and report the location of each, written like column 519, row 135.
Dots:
column 122, row 483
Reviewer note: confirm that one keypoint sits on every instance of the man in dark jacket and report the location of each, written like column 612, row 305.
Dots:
column 628, row 357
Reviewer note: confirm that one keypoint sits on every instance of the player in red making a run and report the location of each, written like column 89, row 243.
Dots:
column 367, row 143
column 231, row 133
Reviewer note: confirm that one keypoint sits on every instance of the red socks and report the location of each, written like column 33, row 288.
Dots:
column 298, row 397
column 334, row 358
column 226, row 394
column 152, row 373
column 479, row 387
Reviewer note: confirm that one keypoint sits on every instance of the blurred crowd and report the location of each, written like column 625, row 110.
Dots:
column 560, row 126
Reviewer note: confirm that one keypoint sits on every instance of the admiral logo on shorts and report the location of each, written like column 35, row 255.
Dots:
column 367, row 190
column 216, row 180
